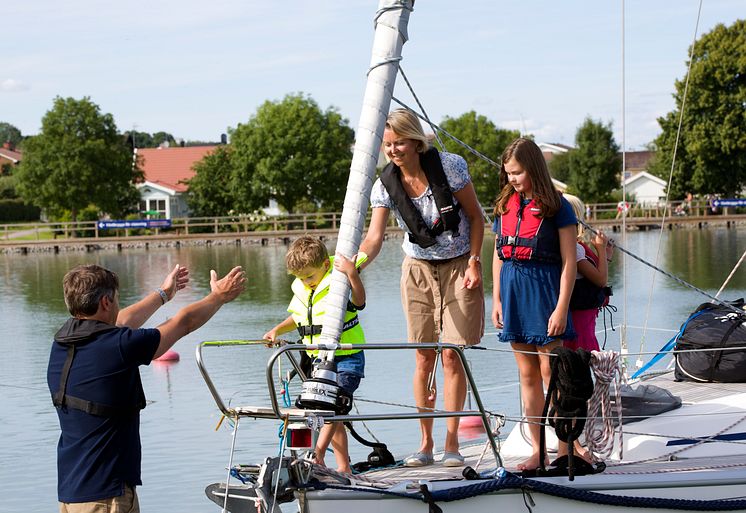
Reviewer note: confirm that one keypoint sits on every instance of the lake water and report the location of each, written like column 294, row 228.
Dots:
column 182, row 450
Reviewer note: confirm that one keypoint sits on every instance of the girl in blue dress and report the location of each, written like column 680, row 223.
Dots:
column 534, row 273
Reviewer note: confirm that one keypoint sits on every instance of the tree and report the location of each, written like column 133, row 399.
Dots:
column 559, row 167
column 481, row 134
column 137, row 139
column 595, row 165
column 210, row 192
column 711, row 153
column 9, row 133
column 291, row 151
column 78, row 159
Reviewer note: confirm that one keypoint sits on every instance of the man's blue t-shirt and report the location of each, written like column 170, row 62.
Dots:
column 97, row 456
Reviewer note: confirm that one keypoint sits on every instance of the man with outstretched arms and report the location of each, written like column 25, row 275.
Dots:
column 94, row 379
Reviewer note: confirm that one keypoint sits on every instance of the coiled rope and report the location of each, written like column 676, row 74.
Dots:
column 599, row 427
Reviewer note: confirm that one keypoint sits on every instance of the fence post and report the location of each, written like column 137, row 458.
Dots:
column 95, row 226
column 305, row 224
column 215, row 221
column 334, row 221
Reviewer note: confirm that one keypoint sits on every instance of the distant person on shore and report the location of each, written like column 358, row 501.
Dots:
column 308, row 260
column 94, row 379
column 534, row 272
column 433, row 199
column 593, row 254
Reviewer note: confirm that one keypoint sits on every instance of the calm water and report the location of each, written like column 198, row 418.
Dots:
column 182, row 451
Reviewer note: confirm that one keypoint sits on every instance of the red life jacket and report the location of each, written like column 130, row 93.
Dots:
column 523, row 235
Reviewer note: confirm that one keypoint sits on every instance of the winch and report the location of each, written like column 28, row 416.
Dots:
column 321, row 391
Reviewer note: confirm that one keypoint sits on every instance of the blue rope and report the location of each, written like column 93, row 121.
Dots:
column 286, row 393
column 667, row 348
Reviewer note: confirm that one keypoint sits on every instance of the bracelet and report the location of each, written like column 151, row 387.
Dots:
column 164, row 296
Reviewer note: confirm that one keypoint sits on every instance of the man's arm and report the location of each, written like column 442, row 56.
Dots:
column 195, row 315
column 134, row 316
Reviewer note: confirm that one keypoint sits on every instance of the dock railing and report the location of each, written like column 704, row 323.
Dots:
column 255, row 224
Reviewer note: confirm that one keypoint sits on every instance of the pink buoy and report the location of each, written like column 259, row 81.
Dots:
column 168, row 356
column 471, row 427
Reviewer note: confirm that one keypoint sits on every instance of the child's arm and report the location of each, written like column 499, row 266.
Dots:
column 285, row 326
column 558, row 320
column 599, row 276
column 345, row 265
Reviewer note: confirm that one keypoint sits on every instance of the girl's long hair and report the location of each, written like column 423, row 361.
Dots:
column 529, row 156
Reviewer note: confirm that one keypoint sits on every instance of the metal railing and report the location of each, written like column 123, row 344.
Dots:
column 277, row 413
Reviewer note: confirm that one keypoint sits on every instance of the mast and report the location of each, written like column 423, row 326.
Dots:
column 391, row 22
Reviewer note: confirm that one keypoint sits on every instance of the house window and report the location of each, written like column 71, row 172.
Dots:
column 156, row 208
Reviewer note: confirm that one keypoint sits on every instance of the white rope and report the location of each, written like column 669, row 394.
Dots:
column 738, row 264
column 599, row 427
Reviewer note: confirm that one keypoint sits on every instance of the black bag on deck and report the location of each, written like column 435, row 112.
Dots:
column 713, row 326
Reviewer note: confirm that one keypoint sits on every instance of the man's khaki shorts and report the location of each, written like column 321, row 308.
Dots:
column 125, row 503
column 436, row 304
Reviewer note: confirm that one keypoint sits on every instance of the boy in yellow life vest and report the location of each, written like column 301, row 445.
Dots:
column 308, row 260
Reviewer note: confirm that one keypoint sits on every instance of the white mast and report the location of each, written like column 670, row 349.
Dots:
column 390, row 35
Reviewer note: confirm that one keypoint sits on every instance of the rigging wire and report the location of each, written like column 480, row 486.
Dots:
column 670, row 177
column 427, row 118
column 665, row 273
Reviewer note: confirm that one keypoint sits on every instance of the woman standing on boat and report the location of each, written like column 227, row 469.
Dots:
column 434, row 201
column 533, row 271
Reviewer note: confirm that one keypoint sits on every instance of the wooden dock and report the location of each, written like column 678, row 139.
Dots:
column 177, row 238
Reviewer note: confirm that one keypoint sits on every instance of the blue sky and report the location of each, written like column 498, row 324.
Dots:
column 195, row 68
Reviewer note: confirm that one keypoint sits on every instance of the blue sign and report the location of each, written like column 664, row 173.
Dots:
column 134, row 223
column 729, row 202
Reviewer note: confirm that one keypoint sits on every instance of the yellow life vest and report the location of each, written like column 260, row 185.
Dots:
column 308, row 308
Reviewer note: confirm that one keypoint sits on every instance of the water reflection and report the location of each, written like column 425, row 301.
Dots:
column 182, row 452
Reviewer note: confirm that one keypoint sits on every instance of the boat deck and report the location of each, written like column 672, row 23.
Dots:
column 480, row 457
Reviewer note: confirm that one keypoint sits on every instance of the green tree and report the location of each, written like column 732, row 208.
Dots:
column 210, row 192
column 595, row 164
column 137, row 139
column 78, row 159
column 9, row 133
column 294, row 152
column 481, row 134
column 559, row 166
column 711, row 153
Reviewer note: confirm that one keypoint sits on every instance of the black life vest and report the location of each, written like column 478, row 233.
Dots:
column 76, row 332
column 585, row 294
column 523, row 235
column 419, row 232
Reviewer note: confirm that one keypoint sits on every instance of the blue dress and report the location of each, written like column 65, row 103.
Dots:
column 529, row 292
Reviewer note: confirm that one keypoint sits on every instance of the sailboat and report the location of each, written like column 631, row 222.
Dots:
column 688, row 455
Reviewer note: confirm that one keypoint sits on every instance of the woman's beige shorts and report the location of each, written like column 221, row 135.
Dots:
column 437, row 306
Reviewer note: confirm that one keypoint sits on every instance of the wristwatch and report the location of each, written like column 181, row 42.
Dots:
column 476, row 258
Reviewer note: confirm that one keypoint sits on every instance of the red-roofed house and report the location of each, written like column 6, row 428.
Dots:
column 165, row 169
column 9, row 158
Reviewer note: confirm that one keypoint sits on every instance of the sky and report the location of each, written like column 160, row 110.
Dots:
column 196, row 69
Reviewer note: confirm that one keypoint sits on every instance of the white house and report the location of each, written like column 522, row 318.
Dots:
column 163, row 191
column 647, row 189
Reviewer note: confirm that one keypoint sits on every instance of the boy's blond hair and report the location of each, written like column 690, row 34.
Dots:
column 304, row 252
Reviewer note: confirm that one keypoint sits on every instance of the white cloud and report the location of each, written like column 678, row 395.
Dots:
column 11, row 85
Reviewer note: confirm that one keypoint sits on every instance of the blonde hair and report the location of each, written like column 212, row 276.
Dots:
column 579, row 208
column 304, row 252
column 529, row 156
column 405, row 124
